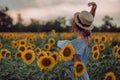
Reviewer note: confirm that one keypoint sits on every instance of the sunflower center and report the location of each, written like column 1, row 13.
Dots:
column 46, row 46
column 119, row 51
column 95, row 48
column 51, row 41
column 96, row 40
column 54, row 56
column 46, row 62
column 79, row 68
column 66, row 52
column 3, row 53
column 22, row 42
column 95, row 54
column 101, row 47
column 103, row 39
column 115, row 50
column 19, row 55
column 22, row 48
column 109, row 78
column 28, row 56
column 37, row 50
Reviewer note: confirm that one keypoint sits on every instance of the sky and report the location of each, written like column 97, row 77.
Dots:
column 44, row 10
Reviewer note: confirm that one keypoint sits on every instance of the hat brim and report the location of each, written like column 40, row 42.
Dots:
column 83, row 27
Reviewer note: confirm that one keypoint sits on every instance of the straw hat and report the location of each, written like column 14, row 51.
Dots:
column 84, row 20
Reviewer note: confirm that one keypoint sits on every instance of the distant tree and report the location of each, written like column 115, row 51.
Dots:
column 108, row 25
column 34, row 26
column 19, row 26
column 6, row 22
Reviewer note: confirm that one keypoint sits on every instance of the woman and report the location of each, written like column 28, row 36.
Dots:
column 82, row 24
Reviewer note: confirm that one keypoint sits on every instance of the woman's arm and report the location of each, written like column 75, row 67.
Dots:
column 93, row 9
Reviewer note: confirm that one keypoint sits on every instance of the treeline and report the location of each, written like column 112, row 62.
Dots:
column 59, row 24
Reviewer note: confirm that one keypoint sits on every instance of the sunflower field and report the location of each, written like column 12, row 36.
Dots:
column 35, row 56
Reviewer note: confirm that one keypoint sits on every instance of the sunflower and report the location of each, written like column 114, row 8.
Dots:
column 95, row 47
column 67, row 52
column 19, row 55
column 96, row 39
column 96, row 54
column 110, row 76
column 32, row 38
column 103, row 38
column 8, row 55
column 32, row 46
column 56, row 56
column 46, row 63
column 1, row 44
column 47, row 46
column 110, row 41
column 29, row 47
column 14, row 44
column 37, row 50
column 42, row 35
column 102, row 46
column 115, row 48
column 41, row 54
column 118, row 52
column 3, row 53
column 51, row 41
column 79, row 68
column 53, row 33
column 48, row 53
column 22, row 48
column 22, row 42
column 28, row 56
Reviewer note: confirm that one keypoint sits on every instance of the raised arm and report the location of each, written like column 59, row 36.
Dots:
column 93, row 8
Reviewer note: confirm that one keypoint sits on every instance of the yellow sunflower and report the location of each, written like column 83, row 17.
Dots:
column 56, row 57
column 79, row 68
column 28, row 56
column 22, row 48
column 46, row 63
column 67, row 52
column 19, row 55
column 3, row 53
column 95, row 54
column 22, row 42
column 47, row 46
column 51, row 41
column 103, row 38
column 95, row 47
column 14, row 44
column 115, row 48
column 37, row 50
column 48, row 53
column 118, row 52
column 110, row 76
column 101, row 46
column 110, row 41
column 1, row 44
column 42, row 35
column 96, row 39
column 8, row 55
column 41, row 54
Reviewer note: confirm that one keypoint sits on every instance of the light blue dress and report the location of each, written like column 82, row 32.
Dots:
column 81, row 50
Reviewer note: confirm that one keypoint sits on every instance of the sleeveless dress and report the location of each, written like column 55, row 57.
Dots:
column 81, row 50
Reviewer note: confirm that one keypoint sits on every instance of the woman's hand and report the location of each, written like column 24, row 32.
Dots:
column 93, row 9
column 93, row 4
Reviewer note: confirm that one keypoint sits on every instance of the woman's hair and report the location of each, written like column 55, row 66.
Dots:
column 84, row 32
